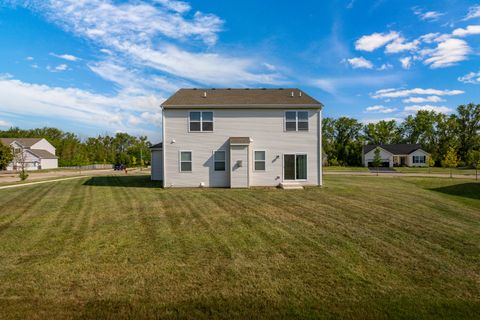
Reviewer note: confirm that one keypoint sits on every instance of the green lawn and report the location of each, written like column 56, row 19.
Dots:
column 461, row 171
column 121, row 248
column 341, row 168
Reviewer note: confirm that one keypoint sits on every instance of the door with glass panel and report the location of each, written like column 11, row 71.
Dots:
column 295, row 166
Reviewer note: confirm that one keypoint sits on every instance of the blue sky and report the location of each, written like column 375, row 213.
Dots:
column 97, row 67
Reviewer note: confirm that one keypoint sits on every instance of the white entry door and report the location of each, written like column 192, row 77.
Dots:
column 238, row 166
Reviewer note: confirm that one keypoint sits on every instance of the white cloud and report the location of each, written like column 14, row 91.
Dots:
column 402, row 93
column 406, row 62
column 385, row 66
column 470, row 30
column 399, row 45
column 59, row 68
column 334, row 84
column 471, row 77
column 447, row 53
column 374, row 41
column 423, row 99
column 360, row 63
column 139, row 33
column 75, row 105
column 430, row 37
column 380, row 109
column 67, row 57
column 29, row 58
column 375, row 121
column 429, row 15
column 473, row 12
column 4, row 124
column 178, row 6
column 415, row 108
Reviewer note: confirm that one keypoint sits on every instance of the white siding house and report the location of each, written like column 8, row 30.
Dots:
column 38, row 153
column 410, row 155
column 240, row 138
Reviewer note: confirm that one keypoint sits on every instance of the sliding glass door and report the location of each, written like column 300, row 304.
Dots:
column 294, row 167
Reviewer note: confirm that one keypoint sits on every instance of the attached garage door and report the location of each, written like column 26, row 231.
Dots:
column 385, row 164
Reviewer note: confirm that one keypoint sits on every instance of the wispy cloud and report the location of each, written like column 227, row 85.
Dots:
column 402, row 93
column 59, row 68
column 374, row 41
column 5, row 124
column 423, row 99
column 447, row 53
column 471, row 77
column 360, row 63
column 380, row 109
column 415, row 108
column 473, row 12
column 406, row 62
column 67, row 57
column 469, row 30
column 427, row 15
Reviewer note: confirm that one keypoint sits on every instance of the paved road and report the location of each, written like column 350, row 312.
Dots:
column 398, row 174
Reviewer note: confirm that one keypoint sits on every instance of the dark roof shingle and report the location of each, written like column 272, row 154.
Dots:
column 394, row 148
column 157, row 146
column 43, row 154
column 231, row 98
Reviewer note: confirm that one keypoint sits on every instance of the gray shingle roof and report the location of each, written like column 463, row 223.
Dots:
column 394, row 148
column 157, row 146
column 43, row 154
column 26, row 142
column 244, row 98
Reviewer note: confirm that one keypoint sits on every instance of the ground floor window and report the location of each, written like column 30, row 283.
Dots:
column 185, row 161
column 219, row 160
column 295, row 167
column 259, row 160
column 419, row 159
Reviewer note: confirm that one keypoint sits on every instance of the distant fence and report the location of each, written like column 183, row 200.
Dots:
column 90, row 167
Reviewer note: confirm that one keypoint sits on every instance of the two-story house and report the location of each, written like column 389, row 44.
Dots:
column 31, row 153
column 239, row 138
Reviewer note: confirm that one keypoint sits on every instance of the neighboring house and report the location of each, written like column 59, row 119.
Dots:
column 398, row 155
column 239, row 138
column 38, row 153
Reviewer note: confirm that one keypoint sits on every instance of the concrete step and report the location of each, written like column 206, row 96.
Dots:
column 291, row 186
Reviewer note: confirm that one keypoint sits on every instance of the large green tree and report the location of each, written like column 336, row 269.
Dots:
column 382, row 132
column 468, row 129
column 6, row 156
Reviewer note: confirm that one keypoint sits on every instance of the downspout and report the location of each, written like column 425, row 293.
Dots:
column 320, row 150
column 164, row 147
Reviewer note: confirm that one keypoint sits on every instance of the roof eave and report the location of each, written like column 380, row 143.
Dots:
column 243, row 106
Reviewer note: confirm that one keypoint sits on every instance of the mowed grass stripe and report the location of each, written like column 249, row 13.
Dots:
column 118, row 247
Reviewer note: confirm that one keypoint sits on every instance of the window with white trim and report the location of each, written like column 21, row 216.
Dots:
column 201, row 121
column 296, row 121
column 419, row 159
column 185, row 161
column 259, row 160
column 219, row 160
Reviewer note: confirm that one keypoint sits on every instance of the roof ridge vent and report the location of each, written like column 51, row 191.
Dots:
column 299, row 93
column 293, row 94
column 204, row 94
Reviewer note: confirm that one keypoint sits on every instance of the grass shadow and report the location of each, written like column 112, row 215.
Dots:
column 467, row 190
column 139, row 181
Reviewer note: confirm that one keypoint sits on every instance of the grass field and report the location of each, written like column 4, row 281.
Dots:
column 121, row 248
column 350, row 169
column 461, row 171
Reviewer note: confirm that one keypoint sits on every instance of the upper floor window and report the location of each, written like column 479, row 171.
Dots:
column 296, row 121
column 201, row 121
column 219, row 160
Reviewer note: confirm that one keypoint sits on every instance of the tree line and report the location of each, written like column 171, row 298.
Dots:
column 438, row 133
column 120, row 148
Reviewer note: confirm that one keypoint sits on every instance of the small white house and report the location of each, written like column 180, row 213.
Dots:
column 38, row 153
column 398, row 155
column 239, row 138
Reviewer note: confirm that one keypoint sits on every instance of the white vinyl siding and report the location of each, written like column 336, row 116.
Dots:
column 200, row 121
column 264, row 126
column 296, row 120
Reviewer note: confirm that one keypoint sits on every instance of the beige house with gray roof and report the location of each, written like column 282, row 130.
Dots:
column 239, row 138
column 38, row 153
